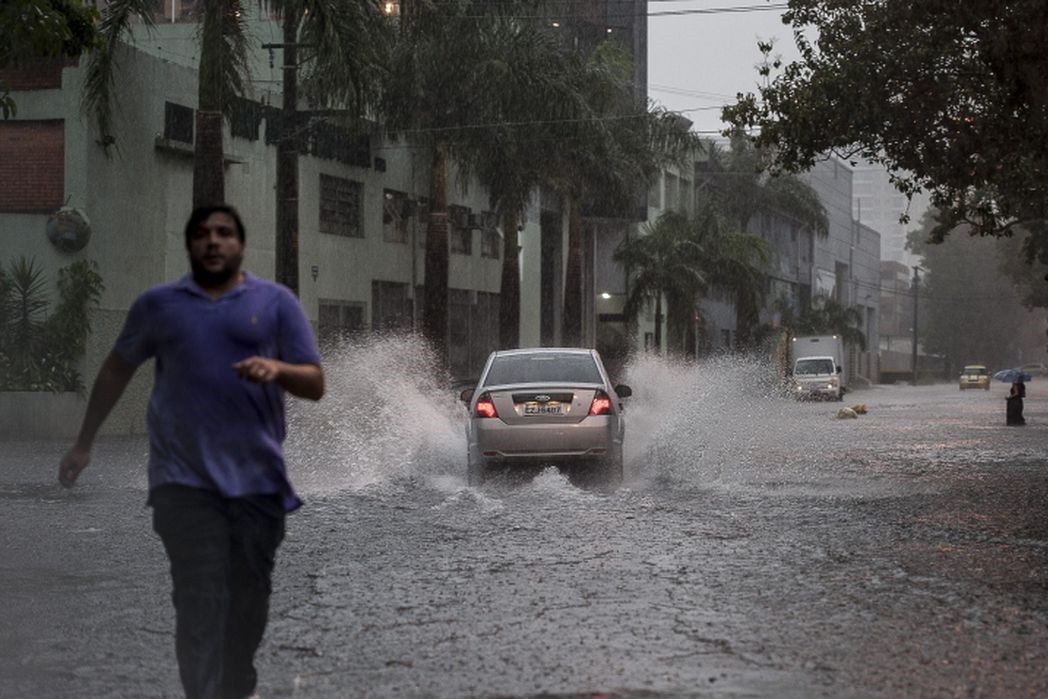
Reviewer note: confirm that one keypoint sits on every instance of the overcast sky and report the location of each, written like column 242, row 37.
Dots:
column 698, row 62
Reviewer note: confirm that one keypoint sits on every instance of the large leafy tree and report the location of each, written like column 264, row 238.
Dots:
column 35, row 29
column 952, row 95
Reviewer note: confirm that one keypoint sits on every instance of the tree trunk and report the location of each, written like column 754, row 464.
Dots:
column 209, row 186
column 509, row 294
column 287, row 163
column 208, row 158
column 745, row 321
column 658, row 324
column 572, row 317
column 435, row 302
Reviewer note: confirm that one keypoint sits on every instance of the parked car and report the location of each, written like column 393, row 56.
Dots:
column 975, row 376
column 545, row 405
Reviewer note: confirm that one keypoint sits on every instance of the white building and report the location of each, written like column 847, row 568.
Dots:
column 878, row 204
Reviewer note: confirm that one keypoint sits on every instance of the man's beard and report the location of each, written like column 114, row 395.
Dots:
column 206, row 278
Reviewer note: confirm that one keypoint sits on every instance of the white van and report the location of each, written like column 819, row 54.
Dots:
column 817, row 377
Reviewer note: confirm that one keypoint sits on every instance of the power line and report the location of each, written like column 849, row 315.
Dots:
column 736, row 9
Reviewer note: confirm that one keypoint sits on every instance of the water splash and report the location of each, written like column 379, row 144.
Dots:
column 720, row 420
column 390, row 419
column 389, row 414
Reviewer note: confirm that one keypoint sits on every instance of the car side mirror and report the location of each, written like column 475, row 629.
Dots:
column 467, row 395
column 838, row 368
column 623, row 391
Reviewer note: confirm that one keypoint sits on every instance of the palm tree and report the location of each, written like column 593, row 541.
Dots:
column 735, row 261
column 738, row 188
column 682, row 259
column 343, row 47
column 534, row 91
column 339, row 62
column 457, row 69
column 222, row 75
column 666, row 261
column 608, row 150
column 827, row 315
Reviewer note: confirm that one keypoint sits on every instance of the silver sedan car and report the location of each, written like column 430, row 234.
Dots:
column 545, row 405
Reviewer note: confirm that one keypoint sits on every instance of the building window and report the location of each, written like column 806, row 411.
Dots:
column 338, row 321
column 655, row 193
column 672, row 191
column 245, row 117
column 473, row 330
column 178, row 122
column 176, row 10
column 390, row 306
column 489, row 236
column 422, row 213
column 395, row 216
column 460, row 230
column 340, row 206
column 32, row 166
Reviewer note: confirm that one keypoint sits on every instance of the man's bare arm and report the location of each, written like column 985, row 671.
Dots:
column 109, row 385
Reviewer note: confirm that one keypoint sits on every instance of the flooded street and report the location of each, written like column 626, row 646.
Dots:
column 758, row 548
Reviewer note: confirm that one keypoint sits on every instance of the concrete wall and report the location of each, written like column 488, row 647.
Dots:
column 38, row 416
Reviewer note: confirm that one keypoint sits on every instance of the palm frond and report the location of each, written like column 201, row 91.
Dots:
column 98, row 98
column 348, row 54
column 222, row 36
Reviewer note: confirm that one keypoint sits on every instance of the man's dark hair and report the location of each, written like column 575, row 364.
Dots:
column 201, row 213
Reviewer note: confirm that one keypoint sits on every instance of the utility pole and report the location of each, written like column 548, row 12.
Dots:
column 287, row 160
column 916, row 282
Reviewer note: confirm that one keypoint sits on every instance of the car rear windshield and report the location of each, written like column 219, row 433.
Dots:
column 547, row 367
column 974, row 370
column 810, row 367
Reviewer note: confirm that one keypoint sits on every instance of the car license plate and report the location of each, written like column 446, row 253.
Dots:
column 551, row 408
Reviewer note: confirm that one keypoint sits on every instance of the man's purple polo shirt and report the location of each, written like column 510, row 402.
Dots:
column 209, row 428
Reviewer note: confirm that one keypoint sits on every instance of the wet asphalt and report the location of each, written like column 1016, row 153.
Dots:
column 759, row 548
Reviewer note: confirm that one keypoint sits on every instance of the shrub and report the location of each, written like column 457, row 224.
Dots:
column 39, row 351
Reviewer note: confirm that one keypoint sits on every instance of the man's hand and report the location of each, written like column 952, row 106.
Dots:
column 258, row 369
column 75, row 461
column 302, row 380
column 111, row 381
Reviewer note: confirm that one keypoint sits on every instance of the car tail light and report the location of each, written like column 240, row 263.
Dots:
column 601, row 404
column 485, row 407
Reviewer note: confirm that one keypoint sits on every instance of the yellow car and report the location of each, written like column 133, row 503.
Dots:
column 975, row 376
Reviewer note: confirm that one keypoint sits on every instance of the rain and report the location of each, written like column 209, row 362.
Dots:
column 701, row 193
column 758, row 547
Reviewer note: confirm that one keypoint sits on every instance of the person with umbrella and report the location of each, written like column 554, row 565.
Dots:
column 1014, row 413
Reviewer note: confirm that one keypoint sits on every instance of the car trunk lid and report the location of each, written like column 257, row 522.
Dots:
column 543, row 404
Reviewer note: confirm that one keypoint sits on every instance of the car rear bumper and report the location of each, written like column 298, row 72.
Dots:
column 494, row 440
